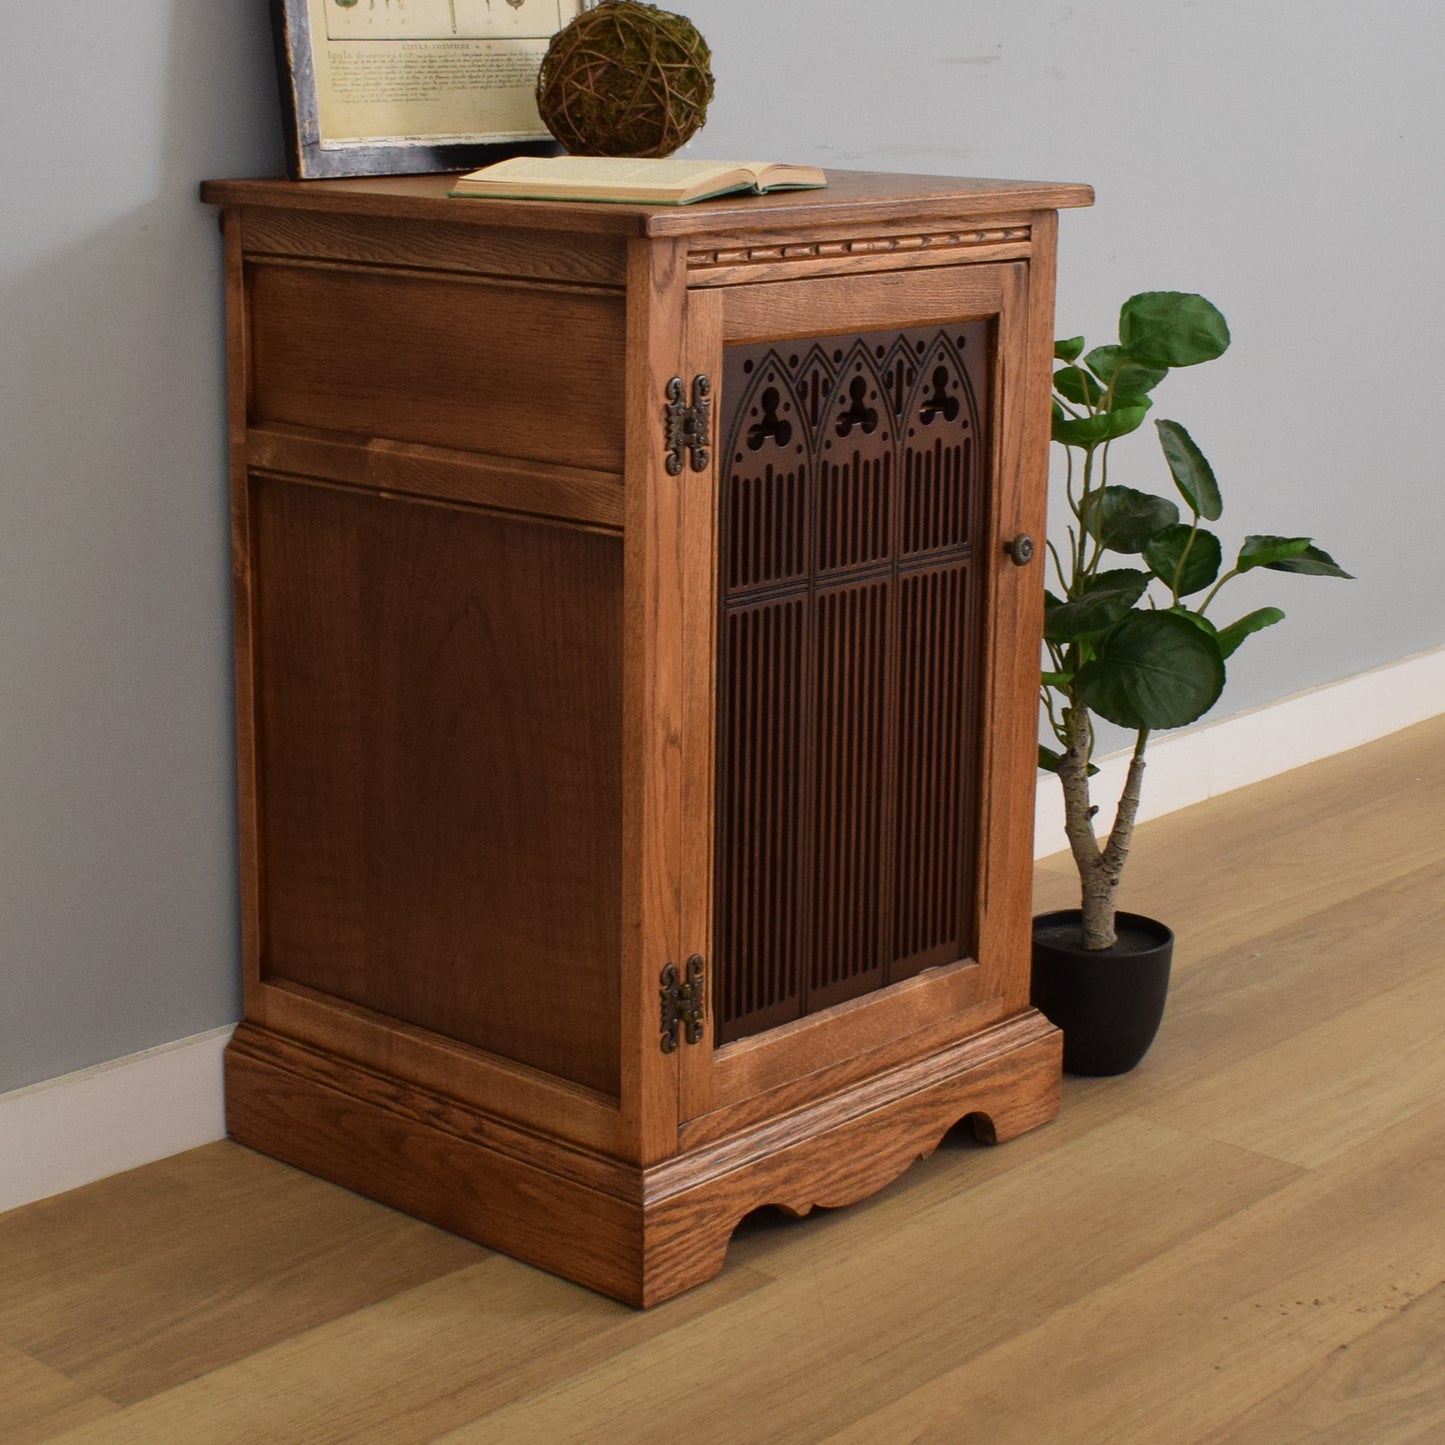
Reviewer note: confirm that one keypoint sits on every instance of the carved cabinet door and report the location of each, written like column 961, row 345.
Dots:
column 857, row 882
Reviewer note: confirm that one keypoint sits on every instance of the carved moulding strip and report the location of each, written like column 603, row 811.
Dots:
column 857, row 246
column 711, row 264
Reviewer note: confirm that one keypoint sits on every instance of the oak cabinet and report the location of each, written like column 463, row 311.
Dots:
column 636, row 682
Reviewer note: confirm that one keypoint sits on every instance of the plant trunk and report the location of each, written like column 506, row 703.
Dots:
column 1099, row 909
column 1099, row 867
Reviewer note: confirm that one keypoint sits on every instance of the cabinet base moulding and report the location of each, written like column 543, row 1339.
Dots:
column 640, row 1235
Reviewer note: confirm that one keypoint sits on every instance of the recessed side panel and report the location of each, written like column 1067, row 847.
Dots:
column 439, row 769
column 851, row 493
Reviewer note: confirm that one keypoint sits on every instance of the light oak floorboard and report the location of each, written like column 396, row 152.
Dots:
column 1277, row 1043
column 1387, row 1387
column 38, row 1403
column 1329, row 1088
column 410, row 1369
column 1232, row 1003
column 870, row 1311
column 1167, row 1352
column 151, row 1277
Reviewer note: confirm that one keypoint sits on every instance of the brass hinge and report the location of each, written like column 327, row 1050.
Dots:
column 682, row 1004
column 688, row 426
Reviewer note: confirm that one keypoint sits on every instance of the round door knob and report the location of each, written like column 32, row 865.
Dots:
column 1021, row 549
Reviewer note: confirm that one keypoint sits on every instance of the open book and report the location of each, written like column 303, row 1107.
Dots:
column 608, row 178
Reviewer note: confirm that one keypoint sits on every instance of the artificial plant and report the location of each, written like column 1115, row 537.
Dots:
column 1130, row 638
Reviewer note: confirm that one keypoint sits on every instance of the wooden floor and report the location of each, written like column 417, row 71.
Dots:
column 1242, row 1241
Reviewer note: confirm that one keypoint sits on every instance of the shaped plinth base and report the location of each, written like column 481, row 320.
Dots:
column 639, row 1235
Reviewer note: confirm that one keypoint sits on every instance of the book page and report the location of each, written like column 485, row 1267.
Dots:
column 608, row 171
column 436, row 70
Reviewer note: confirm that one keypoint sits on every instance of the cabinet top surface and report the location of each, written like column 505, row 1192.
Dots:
column 849, row 196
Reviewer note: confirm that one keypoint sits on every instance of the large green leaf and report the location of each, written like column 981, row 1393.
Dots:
column 1124, row 520
column 1192, row 473
column 1154, row 670
column 1196, row 619
column 1067, row 348
column 1230, row 637
column 1171, row 328
column 1089, row 431
column 1077, row 386
column 1199, row 552
column 1128, row 577
column 1129, row 380
column 1313, row 562
column 1264, row 551
column 1109, row 596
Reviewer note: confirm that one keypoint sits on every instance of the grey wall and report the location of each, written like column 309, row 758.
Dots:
column 1282, row 156
column 117, row 909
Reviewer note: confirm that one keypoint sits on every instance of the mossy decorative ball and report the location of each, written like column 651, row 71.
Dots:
column 625, row 79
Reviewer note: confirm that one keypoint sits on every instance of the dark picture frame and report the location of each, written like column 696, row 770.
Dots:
column 313, row 153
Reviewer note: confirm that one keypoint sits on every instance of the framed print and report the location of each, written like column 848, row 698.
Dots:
column 379, row 87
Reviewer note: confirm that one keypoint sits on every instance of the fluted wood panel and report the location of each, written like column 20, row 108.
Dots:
column 769, row 517
column 850, row 748
column 935, row 498
column 765, row 652
column 851, row 485
column 932, row 772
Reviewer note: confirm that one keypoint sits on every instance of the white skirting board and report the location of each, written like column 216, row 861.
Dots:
column 1211, row 758
column 83, row 1126
column 72, row 1130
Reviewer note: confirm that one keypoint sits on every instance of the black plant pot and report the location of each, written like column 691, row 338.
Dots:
column 1107, row 1001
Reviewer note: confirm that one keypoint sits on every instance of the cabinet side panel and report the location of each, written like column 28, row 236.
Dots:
column 439, row 722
